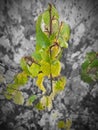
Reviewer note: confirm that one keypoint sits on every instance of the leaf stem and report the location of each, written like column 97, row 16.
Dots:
column 50, row 19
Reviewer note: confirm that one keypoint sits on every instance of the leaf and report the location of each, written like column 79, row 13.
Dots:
column 68, row 124
column 62, row 42
column 55, row 50
column 39, row 106
column 46, row 17
column 18, row 98
column 11, row 89
column 85, row 65
column 31, row 99
column 24, row 66
column 64, row 35
column 46, row 14
column 8, row 96
column 91, row 56
column 36, row 55
column 55, row 26
column 42, row 40
column 94, row 63
column 45, row 68
column 49, row 102
column 55, row 69
column 34, row 70
column 59, row 85
column 45, row 102
column 45, row 55
column 86, row 78
column 39, row 82
column 21, row 78
column 61, row 124
column 54, row 12
column 90, row 68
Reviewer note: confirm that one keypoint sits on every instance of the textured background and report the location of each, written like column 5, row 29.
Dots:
column 17, row 38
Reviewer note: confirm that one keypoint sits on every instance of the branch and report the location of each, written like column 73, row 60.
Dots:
column 50, row 19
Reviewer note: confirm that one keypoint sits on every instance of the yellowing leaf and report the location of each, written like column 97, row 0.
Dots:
column 59, row 85
column 39, row 106
column 61, row 124
column 8, row 96
column 55, row 50
column 34, row 69
column 39, row 82
column 21, row 78
column 68, row 124
column 45, row 68
column 55, row 69
column 18, row 98
column 64, row 35
column 45, row 102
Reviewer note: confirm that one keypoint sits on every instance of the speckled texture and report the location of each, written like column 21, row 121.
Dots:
column 17, row 38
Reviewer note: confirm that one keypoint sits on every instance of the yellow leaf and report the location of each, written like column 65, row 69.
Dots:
column 55, row 50
column 46, row 102
column 61, row 124
column 49, row 102
column 34, row 69
column 39, row 82
column 68, row 124
column 45, row 68
column 55, row 69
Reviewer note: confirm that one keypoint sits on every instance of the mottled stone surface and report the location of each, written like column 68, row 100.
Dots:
column 17, row 39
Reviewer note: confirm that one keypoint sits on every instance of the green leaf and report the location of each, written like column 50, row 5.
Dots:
column 55, row 12
column 18, row 98
column 94, row 63
column 42, row 41
column 37, row 56
column 46, row 17
column 62, row 42
column 31, row 99
column 86, row 78
column 46, row 14
column 85, row 65
column 91, row 56
column 34, row 70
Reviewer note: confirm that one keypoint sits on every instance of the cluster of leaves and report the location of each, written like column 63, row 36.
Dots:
column 89, row 72
column 44, row 63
